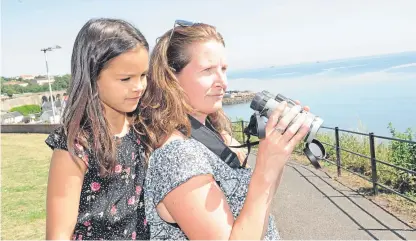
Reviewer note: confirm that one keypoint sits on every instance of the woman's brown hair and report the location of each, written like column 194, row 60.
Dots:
column 164, row 107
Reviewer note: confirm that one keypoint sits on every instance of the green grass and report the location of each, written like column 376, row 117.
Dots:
column 27, row 109
column 24, row 169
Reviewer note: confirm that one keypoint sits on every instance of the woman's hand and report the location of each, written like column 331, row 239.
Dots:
column 281, row 139
column 306, row 108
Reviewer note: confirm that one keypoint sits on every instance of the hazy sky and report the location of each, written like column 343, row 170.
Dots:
column 257, row 33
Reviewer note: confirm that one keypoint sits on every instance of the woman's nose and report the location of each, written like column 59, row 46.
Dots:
column 222, row 80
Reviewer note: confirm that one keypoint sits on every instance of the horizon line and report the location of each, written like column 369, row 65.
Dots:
column 271, row 65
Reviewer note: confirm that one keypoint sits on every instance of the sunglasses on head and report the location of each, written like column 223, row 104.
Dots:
column 181, row 23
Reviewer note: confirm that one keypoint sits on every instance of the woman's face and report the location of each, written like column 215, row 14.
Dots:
column 204, row 79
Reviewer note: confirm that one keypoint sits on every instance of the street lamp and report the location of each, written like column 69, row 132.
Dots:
column 49, row 80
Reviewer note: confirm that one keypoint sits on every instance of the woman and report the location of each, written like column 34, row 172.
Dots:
column 190, row 192
column 97, row 168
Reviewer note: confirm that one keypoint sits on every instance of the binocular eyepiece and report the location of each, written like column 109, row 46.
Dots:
column 264, row 103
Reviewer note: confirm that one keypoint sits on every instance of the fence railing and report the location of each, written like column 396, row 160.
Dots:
column 374, row 162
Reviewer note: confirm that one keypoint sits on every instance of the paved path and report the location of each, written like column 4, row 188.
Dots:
column 311, row 205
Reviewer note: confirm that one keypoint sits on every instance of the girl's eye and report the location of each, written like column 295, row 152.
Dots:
column 125, row 79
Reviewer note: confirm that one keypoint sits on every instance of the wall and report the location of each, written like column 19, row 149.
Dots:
column 30, row 99
column 29, row 128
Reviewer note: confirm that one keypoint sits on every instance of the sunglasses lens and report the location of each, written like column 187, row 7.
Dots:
column 184, row 23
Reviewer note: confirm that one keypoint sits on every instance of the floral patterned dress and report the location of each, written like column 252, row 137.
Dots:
column 112, row 207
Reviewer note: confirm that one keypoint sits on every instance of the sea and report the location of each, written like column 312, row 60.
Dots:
column 362, row 94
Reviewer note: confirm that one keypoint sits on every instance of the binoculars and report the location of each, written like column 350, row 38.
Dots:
column 264, row 103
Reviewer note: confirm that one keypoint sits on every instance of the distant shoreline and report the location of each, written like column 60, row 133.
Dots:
column 238, row 97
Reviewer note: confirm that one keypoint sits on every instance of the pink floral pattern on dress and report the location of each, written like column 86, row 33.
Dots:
column 138, row 190
column 118, row 168
column 95, row 186
column 113, row 210
column 131, row 200
column 111, row 207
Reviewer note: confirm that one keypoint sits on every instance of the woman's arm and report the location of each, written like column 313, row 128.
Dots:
column 63, row 194
column 200, row 207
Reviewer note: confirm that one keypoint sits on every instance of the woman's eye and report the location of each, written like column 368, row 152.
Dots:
column 125, row 79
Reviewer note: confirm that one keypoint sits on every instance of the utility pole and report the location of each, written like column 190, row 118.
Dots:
column 49, row 80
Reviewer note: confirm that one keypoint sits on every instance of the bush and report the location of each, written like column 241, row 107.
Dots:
column 403, row 154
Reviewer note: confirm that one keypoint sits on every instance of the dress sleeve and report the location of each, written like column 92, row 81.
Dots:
column 174, row 164
column 58, row 140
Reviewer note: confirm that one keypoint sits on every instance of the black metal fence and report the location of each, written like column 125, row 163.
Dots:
column 372, row 158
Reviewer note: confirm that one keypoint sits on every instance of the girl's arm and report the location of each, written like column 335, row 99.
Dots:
column 230, row 141
column 66, row 177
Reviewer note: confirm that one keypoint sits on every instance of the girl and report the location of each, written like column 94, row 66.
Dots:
column 97, row 170
column 190, row 192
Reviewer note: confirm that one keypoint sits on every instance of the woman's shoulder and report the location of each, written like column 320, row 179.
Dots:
column 180, row 153
column 177, row 145
column 174, row 163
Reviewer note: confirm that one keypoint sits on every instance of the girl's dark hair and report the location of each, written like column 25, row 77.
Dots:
column 164, row 107
column 99, row 41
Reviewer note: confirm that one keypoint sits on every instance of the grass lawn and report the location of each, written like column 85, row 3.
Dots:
column 24, row 174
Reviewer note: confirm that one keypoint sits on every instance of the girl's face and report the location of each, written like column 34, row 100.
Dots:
column 122, row 83
column 204, row 79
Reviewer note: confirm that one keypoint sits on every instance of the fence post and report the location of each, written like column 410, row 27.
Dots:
column 338, row 150
column 242, row 131
column 373, row 164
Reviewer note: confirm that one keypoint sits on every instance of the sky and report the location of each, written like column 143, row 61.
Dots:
column 258, row 33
